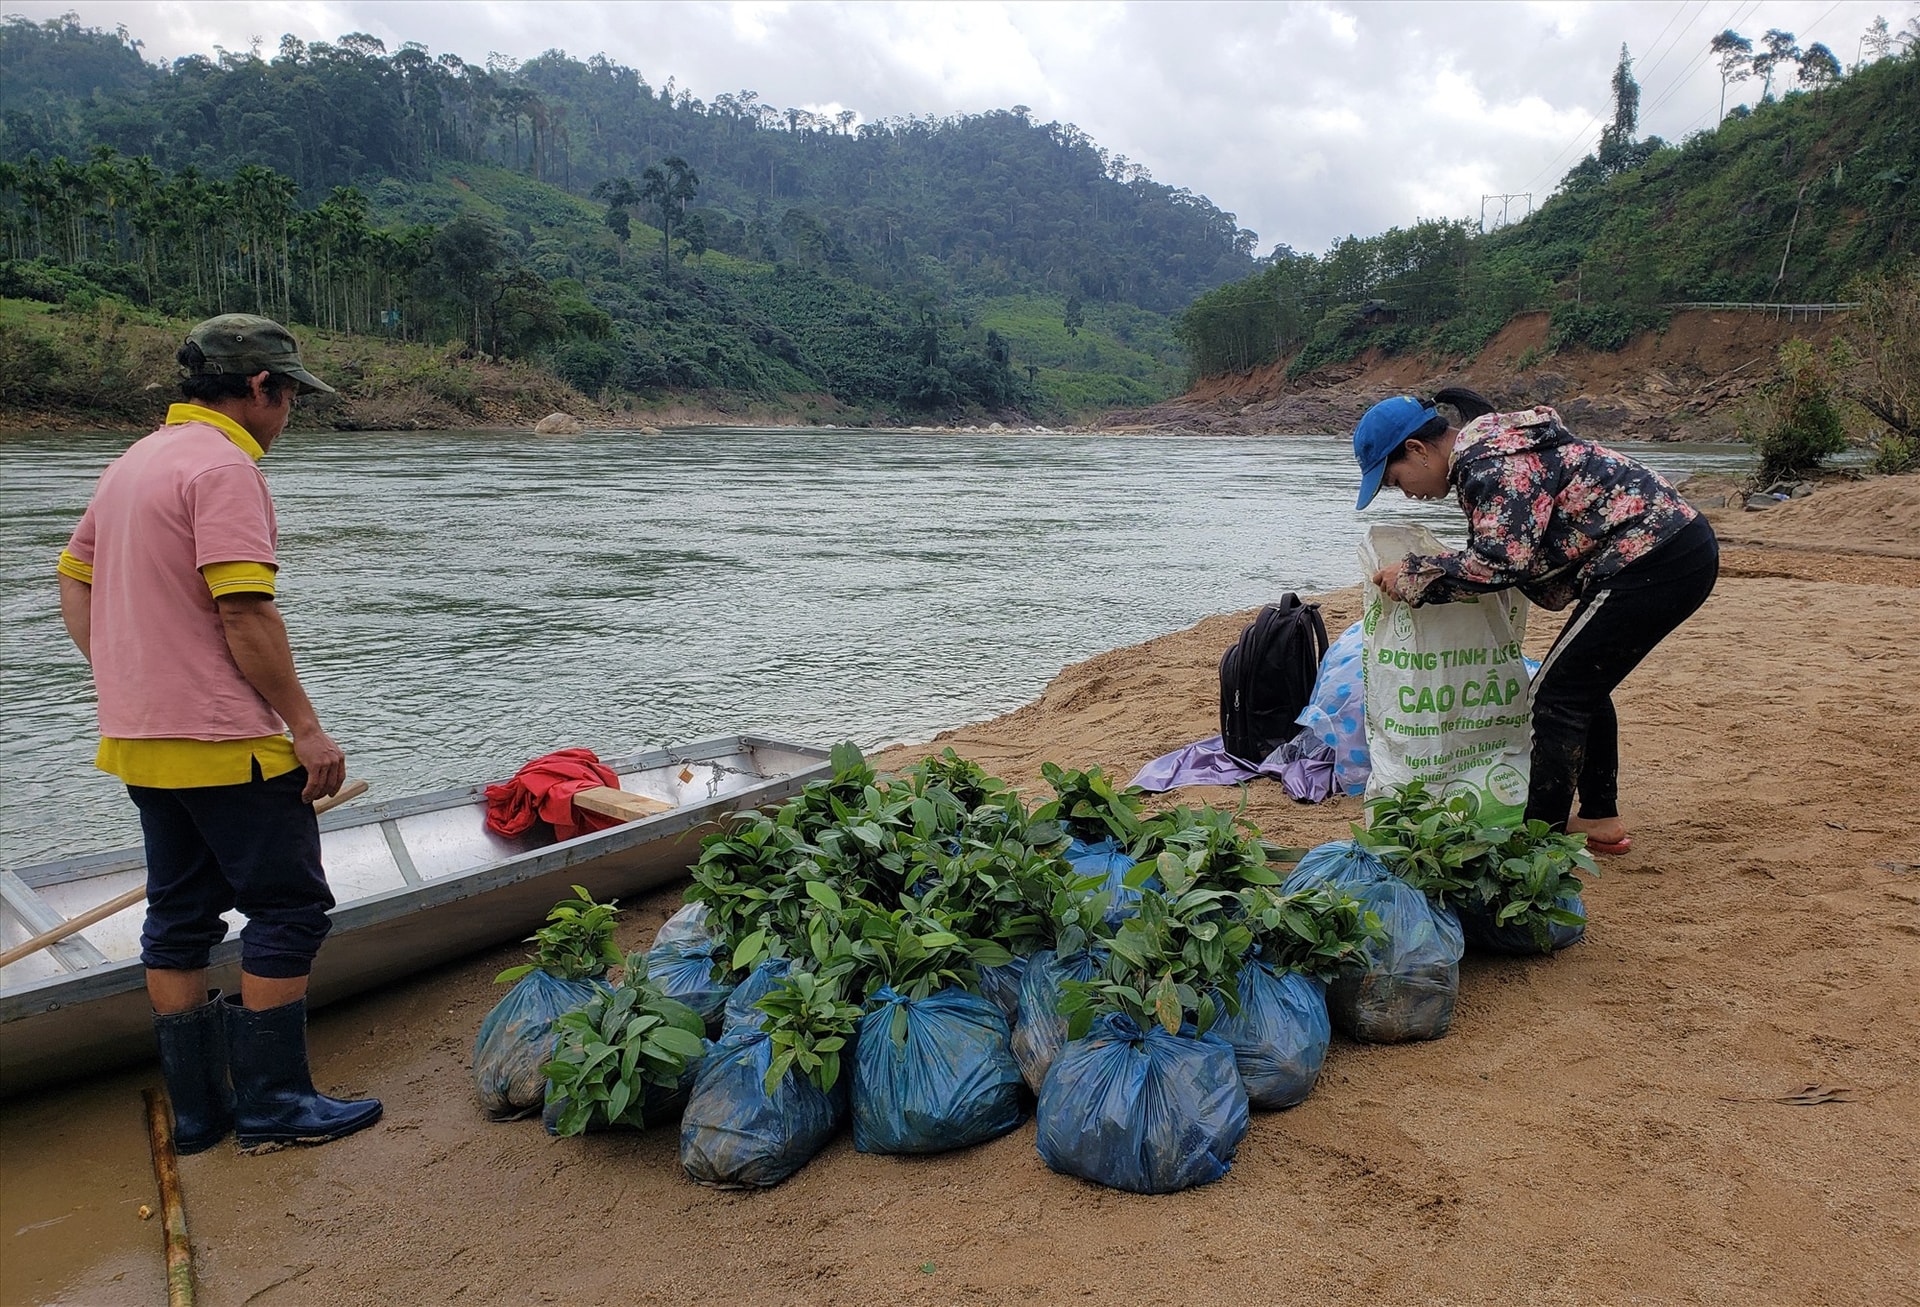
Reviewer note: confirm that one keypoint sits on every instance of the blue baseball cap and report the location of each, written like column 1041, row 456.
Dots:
column 1380, row 431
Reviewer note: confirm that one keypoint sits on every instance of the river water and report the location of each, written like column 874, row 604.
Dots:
column 462, row 601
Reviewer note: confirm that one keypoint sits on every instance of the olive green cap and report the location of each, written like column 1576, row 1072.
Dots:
column 246, row 343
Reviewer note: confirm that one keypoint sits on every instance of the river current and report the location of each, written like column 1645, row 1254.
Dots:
column 460, row 601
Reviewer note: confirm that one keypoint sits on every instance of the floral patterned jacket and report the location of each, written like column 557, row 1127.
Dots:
column 1547, row 511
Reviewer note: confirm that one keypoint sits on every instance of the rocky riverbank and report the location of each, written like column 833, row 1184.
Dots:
column 1691, row 381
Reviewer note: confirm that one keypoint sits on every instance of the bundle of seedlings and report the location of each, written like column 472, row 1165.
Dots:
column 1411, row 980
column 771, row 1093
column 987, row 804
column 1515, row 887
column 627, row 1058
column 1147, row 1097
column 933, row 1069
column 996, row 885
column 1079, row 922
column 1214, row 847
column 759, row 878
column 1302, row 940
column 751, row 871
column 572, row 953
column 1102, row 823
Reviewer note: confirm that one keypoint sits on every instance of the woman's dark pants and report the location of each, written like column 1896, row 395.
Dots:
column 1576, row 745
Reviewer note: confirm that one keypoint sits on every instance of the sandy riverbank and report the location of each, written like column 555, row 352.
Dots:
column 1623, row 1123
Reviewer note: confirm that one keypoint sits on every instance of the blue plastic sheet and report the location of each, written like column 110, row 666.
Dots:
column 1481, row 932
column 1148, row 1112
column 761, row 981
column 1280, row 1036
column 1412, row 978
column 1041, row 1032
column 517, row 1039
column 735, row 1135
column 684, row 970
column 1107, row 860
column 950, row 1082
column 1336, row 715
column 1001, row 986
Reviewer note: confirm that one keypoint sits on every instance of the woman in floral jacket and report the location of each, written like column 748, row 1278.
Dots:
column 1569, row 522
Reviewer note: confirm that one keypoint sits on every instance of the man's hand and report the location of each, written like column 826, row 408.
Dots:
column 326, row 765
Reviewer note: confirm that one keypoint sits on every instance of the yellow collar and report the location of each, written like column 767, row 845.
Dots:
column 239, row 435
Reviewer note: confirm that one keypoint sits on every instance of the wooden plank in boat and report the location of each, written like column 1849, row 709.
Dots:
column 619, row 804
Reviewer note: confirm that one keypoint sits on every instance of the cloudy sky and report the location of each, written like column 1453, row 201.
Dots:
column 1308, row 120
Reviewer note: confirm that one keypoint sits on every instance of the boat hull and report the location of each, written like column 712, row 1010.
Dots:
column 96, row 1017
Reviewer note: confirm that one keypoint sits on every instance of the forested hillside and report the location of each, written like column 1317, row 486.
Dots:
column 1788, row 202
column 633, row 237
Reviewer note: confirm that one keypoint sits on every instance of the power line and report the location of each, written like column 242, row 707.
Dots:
column 1741, row 13
column 1741, row 10
column 1675, row 44
column 1699, row 61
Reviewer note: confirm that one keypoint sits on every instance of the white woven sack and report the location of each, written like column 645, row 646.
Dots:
column 1448, row 699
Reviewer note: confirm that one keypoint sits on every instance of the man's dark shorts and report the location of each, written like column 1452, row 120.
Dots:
column 213, row 848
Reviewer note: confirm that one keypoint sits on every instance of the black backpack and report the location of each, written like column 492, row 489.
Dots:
column 1267, row 677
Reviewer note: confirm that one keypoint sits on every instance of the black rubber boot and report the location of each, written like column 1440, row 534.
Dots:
column 274, row 1098
column 193, row 1062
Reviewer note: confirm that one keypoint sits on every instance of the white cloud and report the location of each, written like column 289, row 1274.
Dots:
column 1309, row 120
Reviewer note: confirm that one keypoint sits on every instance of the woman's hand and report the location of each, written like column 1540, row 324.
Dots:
column 1392, row 581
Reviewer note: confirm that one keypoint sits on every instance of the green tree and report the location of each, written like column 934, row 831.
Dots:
column 1779, row 48
column 1734, row 54
column 467, row 256
column 1800, row 424
column 1877, row 44
column 693, row 230
column 668, row 186
column 619, row 196
column 1885, row 335
column 1819, row 68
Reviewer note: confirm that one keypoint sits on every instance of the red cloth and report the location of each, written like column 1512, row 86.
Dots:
column 543, row 790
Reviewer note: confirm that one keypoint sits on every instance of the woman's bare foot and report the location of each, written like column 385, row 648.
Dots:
column 1598, row 830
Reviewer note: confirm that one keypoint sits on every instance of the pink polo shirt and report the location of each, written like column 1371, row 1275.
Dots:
column 180, row 499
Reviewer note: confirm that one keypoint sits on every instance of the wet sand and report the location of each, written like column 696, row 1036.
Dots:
column 1626, row 1122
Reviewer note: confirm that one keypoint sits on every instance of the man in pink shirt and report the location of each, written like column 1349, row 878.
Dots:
column 167, row 588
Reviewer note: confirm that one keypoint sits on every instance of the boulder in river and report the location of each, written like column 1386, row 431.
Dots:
column 559, row 424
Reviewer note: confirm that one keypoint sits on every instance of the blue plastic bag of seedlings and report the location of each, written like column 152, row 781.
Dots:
column 684, row 970
column 658, row 1105
column 686, row 926
column 735, row 1135
column 1412, row 980
column 760, row 982
column 1279, row 1037
column 1143, row 1111
column 1001, row 986
column 516, row 1040
column 1107, row 860
column 1040, row 1032
column 932, row 1074
column 1484, row 934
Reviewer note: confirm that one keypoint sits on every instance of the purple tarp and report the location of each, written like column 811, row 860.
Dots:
column 1303, row 765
